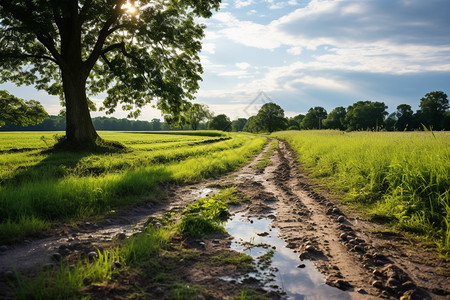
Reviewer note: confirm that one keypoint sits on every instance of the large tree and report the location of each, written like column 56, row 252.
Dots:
column 433, row 108
column 364, row 115
column 220, row 122
column 138, row 54
column 335, row 119
column 271, row 118
column 17, row 111
column 313, row 118
column 238, row 124
column 196, row 114
column 405, row 118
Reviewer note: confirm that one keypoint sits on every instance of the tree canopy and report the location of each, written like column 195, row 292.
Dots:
column 197, row 113
column 238, row 124
column 271, row 118
column 20, row 112
column 433, row 108
column 335, row 119
column 75, row 49
column 220, row 122
column 313, row 118
column 364, row 115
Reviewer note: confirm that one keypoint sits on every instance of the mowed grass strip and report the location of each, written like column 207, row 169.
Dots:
column 62, row 186
column 401, row 178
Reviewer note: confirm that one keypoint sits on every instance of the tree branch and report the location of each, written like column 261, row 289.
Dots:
column 23, row 55
column 103, row 34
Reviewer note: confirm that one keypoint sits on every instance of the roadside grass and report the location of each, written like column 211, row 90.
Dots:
column 149, row 253
column 265, row 161
column 399, row 178
column 40, row 187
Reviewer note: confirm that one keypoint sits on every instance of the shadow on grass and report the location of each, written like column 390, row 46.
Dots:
column 60, row 160
column 46, row 193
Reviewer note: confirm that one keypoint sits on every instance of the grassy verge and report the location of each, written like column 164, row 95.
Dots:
column 153, row 255
column 399, row 178
column 39, row 188
column 265, row 161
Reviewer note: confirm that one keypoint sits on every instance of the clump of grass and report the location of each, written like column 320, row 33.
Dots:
column 397, row 176
column 66, row 282
column 29, row 226
column 230, row 195
column 204, row 216
column 182, row 291
column 252, row 294
column 240, row 260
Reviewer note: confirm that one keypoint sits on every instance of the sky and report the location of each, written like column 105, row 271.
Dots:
column 305, row 53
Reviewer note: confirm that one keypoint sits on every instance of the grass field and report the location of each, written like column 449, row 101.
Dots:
column 402, row 178
column 39, row 188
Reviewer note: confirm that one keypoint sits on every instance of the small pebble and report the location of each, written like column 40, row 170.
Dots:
column 361, row 291
column 377, row 284
column 359, row 248
column 341, row 219
column 115, row 265
column 343, row 236
column 56, row 256
column 392, row 282
column 301, row 266
column 92, row 255
column 3, row 248
column 120, row 236
column 309, row 248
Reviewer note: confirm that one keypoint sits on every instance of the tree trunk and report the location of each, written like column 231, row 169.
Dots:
column 79, row 128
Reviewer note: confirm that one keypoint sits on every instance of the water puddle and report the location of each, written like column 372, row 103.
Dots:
column 277, row 265
column 258, row 178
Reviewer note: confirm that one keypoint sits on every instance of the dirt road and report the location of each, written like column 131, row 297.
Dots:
column 344, row 247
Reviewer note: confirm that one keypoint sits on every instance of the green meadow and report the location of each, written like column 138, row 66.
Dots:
column 39, row 187
column 399, row 178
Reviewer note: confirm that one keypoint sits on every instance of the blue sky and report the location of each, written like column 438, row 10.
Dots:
column 305, row 53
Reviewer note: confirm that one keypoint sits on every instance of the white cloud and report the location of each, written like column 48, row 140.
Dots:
column 360, row 41
column 240, row 3
column 295, row 50
column 318, row 82
column 243, row 65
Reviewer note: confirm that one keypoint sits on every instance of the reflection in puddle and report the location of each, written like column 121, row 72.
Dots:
column 282, row 274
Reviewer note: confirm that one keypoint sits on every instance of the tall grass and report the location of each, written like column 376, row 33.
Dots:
column 47, row 187
column 401, row 177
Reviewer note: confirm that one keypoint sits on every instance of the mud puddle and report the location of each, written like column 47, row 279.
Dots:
column 278, row 268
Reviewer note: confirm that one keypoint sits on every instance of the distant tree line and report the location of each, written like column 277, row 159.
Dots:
column 58, row 123
column 433, row 114
column 363, row 115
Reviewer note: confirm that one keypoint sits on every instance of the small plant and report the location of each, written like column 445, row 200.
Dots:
column 207, row 214
column 241, row 260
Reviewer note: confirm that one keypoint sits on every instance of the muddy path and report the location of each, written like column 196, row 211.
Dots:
column 333, row 244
